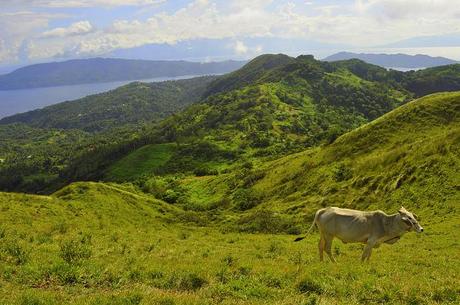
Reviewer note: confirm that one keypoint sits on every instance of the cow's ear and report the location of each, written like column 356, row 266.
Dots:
column 402, row 210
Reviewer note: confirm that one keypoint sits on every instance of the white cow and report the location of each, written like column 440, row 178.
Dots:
column 352, row 226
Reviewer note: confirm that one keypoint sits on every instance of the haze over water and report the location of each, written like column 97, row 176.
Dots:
column 18, row 101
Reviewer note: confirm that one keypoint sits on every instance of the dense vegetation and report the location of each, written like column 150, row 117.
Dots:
column 94, row 70
column 273, row 106
column 186, row 240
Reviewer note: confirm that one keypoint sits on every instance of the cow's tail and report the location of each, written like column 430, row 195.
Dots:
column 311, row 227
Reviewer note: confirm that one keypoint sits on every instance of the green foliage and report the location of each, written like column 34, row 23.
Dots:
column 275, row 105
column 74, row 251
column 245, row 199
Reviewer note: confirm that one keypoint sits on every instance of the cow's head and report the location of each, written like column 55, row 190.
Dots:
column 410, row 220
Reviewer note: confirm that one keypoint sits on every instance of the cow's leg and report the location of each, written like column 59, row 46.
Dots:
column 328, row 247
column 321, row 247
column 368, row 250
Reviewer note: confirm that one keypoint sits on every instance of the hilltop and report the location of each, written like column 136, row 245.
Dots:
column 394, row 60
column 99, row 70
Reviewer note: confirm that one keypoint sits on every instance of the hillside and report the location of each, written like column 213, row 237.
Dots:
column 394, row 60
column 274, row 106
column 119, row 244
column 409, row 157
column 97, row 70
column 130, row 104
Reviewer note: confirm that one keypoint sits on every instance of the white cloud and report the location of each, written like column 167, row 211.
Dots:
column 360, row 23
column 240, row 48
column 17, row 28
column 77, row 28
column 399, row 9
column 77, row 3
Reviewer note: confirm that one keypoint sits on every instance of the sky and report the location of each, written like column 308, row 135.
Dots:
column 44, row 30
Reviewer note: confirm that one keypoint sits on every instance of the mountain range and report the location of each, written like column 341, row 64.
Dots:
column 274, row 105
column 394, row 60
column 94, row 70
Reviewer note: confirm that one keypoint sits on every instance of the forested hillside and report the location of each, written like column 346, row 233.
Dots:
column 274, row 106
column 130, row 104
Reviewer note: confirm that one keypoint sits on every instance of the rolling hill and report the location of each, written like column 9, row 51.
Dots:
column 394, row 60
column 274, row 106
column 128, row 243
column 94, row 70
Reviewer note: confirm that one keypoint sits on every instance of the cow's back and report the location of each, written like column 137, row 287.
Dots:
column 345, row 224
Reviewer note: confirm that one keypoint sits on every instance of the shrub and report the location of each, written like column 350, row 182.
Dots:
column 267, row 222
column 171, row 196
column 74, row 251
column 191, row 281
column 245, row 199
column 204, row 171
column 15, row 253
column 66, row 274
column 309, row 286
column 342, row 173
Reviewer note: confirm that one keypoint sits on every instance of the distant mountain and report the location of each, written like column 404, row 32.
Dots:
column 394, row 60
column 447, row 40
column 130, row 104
column 97, row 70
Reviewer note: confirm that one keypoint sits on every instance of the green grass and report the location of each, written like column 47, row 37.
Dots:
column 106, row 244
column 141, row 162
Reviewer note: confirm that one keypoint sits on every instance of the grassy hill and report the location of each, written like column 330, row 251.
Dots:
column 214, row 242
column 274, row 106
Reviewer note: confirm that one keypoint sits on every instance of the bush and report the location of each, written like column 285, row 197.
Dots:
column 204, row 171
column 191, row 281
column 267, row 222
column 15, row 253
column 74, row 251
column 245, row 199
column 309, row 286
column 342, row 173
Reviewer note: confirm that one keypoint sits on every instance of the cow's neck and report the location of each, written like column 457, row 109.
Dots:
column 396, row 227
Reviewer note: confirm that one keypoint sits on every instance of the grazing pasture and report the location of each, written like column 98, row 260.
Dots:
column 94, row 243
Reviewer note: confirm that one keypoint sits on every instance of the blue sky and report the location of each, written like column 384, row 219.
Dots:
column 41, row 30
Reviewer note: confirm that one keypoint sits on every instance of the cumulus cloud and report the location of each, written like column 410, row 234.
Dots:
column 77, row 28
column 78, row 3
column 240, row 48
column 358, row 22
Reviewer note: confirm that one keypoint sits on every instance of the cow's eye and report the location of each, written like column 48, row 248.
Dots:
column 407, row 221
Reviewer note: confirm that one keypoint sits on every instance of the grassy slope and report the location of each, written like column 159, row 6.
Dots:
column 95, row 243
column 385, row 163
column 141, row 162
column 106, row 244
